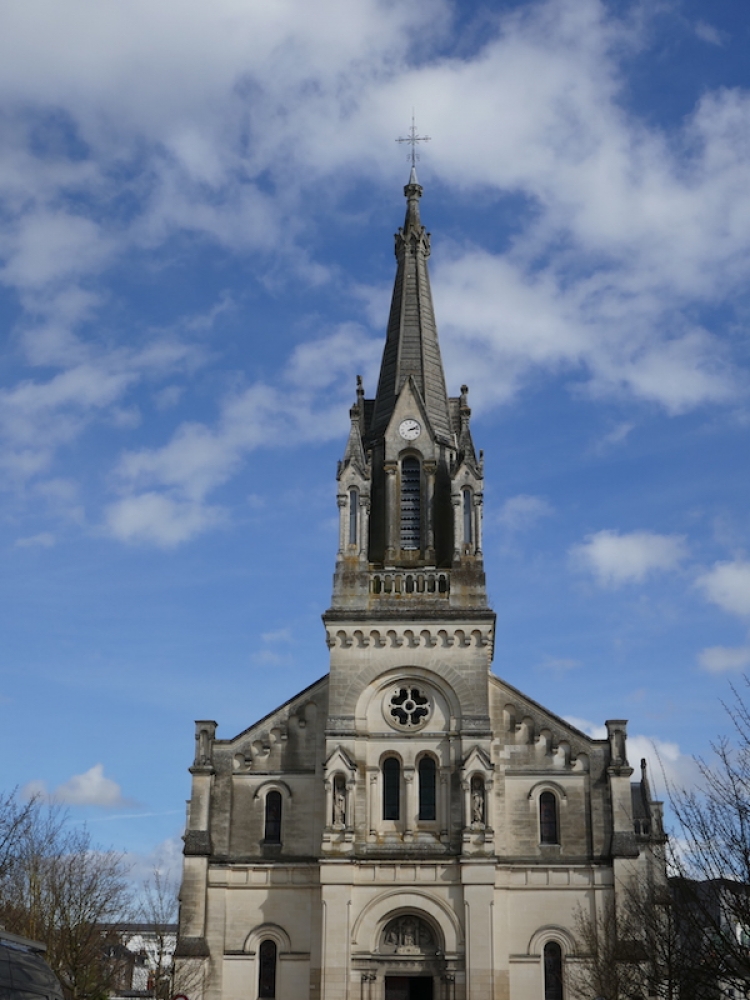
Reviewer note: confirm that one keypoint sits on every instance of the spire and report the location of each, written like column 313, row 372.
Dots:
column 412, row 348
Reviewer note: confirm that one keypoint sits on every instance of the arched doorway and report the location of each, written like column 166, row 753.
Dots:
column 413, row 958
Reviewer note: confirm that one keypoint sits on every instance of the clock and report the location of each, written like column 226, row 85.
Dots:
column 409, row 429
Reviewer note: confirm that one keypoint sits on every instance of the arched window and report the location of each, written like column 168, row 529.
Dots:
column 353, row 515
column 468, row 518
column 553, row 971
column 272, row 834
column 411, row 516
column 427, row 797
column 548, row 833
column 391, row 788
column 267, row 969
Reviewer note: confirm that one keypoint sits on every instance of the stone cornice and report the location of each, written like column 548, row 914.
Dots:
column 396, row 635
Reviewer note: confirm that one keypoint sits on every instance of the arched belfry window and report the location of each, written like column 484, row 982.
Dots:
column 272, row 832
column 391, row 788
column 267, row 970
column 548, row 831
column 553, row 971
column 467, row 507
column 411, row 504
column 427, row 796
column 353, row 516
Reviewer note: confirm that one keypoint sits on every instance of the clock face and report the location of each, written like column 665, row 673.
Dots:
column 409, row 429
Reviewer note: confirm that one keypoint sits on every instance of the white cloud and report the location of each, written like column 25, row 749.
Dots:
column 92, row 788
column 226, row 122
column 615, row 559
column 159, row 519
column 520, row 512
column 723, row 659
column 667, row 766
column 728, row 585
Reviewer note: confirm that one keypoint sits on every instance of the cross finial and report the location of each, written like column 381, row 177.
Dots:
column 412, row 138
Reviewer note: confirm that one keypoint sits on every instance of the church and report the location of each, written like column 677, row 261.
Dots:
column 410, row 826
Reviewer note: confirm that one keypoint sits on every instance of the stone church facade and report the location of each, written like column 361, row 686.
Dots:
column 411, row 826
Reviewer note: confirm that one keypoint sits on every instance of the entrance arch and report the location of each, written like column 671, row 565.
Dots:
column 407, row 946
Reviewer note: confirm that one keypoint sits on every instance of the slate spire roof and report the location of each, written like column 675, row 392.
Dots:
column 411, row 348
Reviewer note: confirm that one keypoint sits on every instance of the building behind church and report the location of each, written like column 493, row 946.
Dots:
column 411, row 826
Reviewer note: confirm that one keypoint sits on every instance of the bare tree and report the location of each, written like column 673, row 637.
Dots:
column 691, row 942
column 642, row 947
column 713, row 865
column 14, row 822
column 59, row 889
column 159, row 911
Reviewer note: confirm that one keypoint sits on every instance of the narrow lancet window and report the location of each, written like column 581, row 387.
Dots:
column 548, row 833
column 273, row 818
column 267, row 971
column 411, row 505
column 553, row 971
column 427, row 797
column 391, row 788
column 353, row 516
column 467, row 510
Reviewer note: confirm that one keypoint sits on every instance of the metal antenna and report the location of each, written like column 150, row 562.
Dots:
column 412, row 138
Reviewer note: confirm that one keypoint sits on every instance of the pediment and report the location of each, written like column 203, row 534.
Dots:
column 477, row 760
column 339, row 759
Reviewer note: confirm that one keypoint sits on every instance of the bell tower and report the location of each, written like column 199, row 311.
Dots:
column 409, row 587
column 410, row 482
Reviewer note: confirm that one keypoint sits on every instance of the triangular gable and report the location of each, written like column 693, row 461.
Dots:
column 477, row 759
column 340, row 758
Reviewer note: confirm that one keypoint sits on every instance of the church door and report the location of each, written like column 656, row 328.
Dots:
column 408, row 988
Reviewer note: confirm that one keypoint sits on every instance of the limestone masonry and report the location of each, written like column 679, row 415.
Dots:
column 410, row 827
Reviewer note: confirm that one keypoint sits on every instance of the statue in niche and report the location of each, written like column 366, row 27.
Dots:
column 339, row 801
column 477, row 800
column 408, row 935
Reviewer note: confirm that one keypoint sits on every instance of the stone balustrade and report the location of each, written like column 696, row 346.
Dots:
column 410, row 583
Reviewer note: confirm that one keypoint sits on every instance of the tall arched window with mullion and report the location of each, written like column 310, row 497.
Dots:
column 391, row 788
column 267, row 970
column 553, row 971
column 353, row 516
column 411, row 504
column 427, row 789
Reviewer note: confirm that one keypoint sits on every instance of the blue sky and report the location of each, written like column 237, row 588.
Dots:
column 198, row 204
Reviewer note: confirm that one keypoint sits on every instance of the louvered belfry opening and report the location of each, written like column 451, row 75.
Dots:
column 411, row 505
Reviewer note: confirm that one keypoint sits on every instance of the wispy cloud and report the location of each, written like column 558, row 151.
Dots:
column 166, row 488
column 521, row 512
column 44, row 539
column 724, row 659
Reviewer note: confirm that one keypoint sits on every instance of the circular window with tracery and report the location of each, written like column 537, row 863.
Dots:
column 407, row 707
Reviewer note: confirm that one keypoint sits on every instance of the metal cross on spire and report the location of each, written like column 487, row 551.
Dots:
column 412, row 138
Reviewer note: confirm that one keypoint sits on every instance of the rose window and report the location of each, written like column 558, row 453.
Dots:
column 408, row 708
